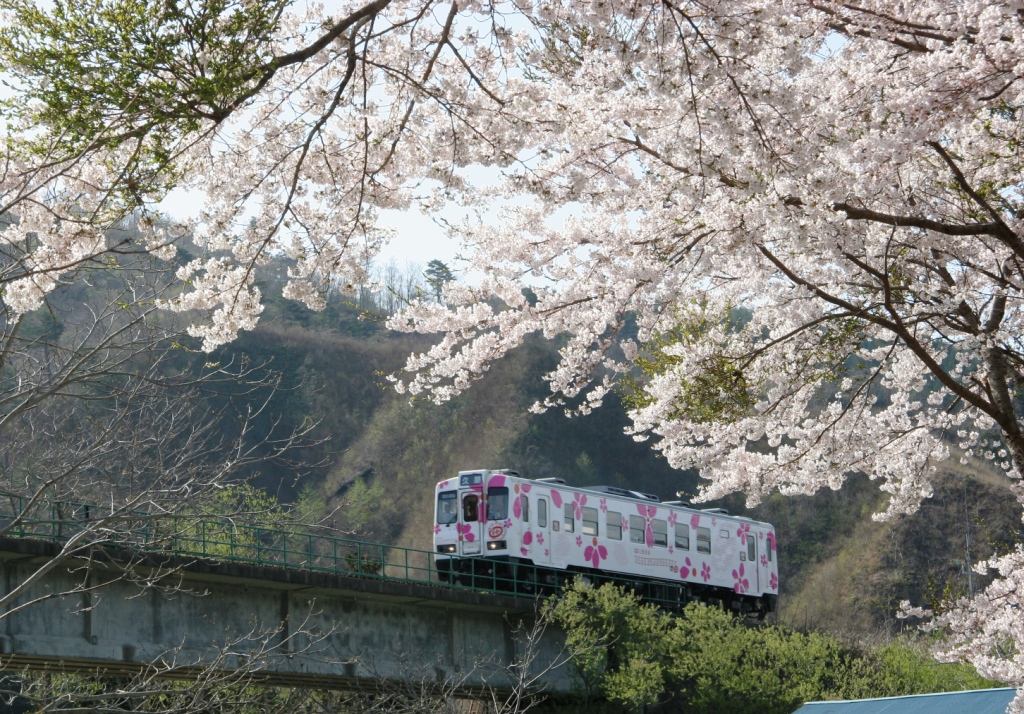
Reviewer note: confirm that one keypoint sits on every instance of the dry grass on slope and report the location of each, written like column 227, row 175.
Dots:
column 863, row 574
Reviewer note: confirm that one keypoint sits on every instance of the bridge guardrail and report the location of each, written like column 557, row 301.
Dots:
column 228, row 541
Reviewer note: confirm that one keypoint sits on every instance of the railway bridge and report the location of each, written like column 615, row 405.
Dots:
column 315, row 611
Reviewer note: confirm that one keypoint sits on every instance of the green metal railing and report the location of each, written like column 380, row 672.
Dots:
column 226, row 541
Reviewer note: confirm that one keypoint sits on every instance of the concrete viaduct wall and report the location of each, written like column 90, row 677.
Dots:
column 328, row 630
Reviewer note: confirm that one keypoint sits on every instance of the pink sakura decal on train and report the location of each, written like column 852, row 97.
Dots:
column 742, row 584
column 521, row 490
column 648, row 512
column 595, row 554
column 579, row 500
column 465, row 531
column 743, row 532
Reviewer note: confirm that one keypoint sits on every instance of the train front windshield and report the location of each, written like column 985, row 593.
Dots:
column 447, row 507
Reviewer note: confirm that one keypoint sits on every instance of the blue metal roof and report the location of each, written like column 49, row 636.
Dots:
column 978, row 701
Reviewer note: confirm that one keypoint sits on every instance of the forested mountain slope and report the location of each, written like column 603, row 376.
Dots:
column 382, row 455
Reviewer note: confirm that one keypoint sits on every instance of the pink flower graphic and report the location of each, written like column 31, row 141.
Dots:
column 579, row 541
column 556, row 499
column 764, row 560
column 496, row 481
column 672, row 518
column 671, row 549
column 437, row 529
column 540, row 538
column 595, row 554
column 773, row 582
column 546, row 552
column 705, row 571
column 578, row 501
column 507, row 523
column 648, row 513
column 465, row 531
column 694, row 520
column 527, row 538
column 742, row 584
column 688, row 570
column 524, row 551
column 443, row 484
column 743, row 532
column 714, row 521
column 604, row 505
column 625, row 525
column 760, row 535
column 517, row 506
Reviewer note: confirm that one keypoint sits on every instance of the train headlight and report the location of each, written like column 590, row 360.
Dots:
column 497, row 545
column 450, row 548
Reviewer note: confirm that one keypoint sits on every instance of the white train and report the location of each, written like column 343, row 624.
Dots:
column 525, row 535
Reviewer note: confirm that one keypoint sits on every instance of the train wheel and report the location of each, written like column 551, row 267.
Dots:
column 761, row 610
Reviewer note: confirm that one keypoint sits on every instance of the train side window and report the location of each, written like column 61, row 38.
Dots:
column 614, row 525
column 636, row 529
column 470, row 508
column 497, row 503
column 751, row 548
column 447, row 507
column 704, row 540
column 660, row 529
column 542, row 513
column 570, row 519
column 524, row 503
column 682, row 536
column 590, row 521
column 768, row 550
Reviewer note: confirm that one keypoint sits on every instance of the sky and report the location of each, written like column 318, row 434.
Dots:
column 418, row 238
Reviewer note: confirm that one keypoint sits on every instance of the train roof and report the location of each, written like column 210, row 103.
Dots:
column 629, row 495
column 641, row 497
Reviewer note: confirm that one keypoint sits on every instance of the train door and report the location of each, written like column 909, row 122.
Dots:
column 471, row 524
column 754, row 564
column 541, row 548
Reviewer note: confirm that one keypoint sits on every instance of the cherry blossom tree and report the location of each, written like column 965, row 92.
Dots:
column 846, row 176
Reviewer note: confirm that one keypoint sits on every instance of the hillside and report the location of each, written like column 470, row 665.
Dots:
column 840, row 569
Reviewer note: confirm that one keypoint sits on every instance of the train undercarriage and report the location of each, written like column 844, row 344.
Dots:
column 522, row 577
